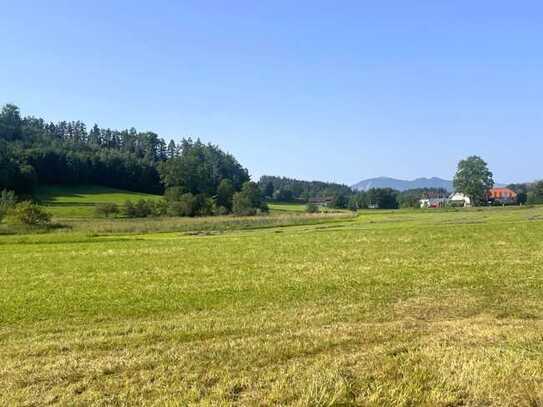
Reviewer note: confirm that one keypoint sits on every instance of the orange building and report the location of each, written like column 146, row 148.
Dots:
column 502, row 195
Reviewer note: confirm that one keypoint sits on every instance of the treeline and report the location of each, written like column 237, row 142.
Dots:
column 340, row 196
column 34, row 152
column 529, row 192
column 388, row 198
column 283, row 189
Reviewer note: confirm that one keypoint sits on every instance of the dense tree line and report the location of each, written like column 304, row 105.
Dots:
column 375, row 198
column 341, row 196
column 201, row 179
column 387, row 198
column 531, row 192
column 291, row 190
column 199, row 168
column 33, row 152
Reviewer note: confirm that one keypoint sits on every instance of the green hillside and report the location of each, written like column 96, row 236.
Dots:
column 80, row 201
column 286, row 207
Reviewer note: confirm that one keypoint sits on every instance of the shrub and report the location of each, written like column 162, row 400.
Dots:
column 7, row 201
column 186, row 205
column 29, row 214
column 173, row 194
column 143, row 208
column 242, row 205
column 191, row 205
column 129, row 210
column 221, row 211
column 225, row 193
column 311, row 208
column 249, row 201
column 160, row 207
column 204, row 205
column 106, row 209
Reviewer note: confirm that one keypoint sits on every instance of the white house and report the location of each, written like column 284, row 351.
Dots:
column 459, row 199
column 433, row 202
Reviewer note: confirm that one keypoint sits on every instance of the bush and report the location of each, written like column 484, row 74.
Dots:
column 221, row 211
column 7, row 201
column 160, row 207
column 249, row 201
column 129, row 210
column 145, row 208
column 225, row 193
column 311, row 208
column 174, row 194
column 28, row 214
column 242, row 205
column 184, row 206
column 204, row 205
column 106, row 209
column 191, row 205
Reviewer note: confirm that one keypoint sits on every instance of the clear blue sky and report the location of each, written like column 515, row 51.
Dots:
column 329, row 90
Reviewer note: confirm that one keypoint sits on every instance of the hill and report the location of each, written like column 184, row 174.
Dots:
column 402, row 185
column 34, row 152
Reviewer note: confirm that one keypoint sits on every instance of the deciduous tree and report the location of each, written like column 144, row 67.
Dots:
column 473, row 178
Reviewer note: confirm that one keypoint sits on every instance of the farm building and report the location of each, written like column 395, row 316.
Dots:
column 433, row 202
column 502, row 195
column 459, row 199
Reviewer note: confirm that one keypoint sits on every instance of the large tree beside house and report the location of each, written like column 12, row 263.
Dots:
column 473, row 179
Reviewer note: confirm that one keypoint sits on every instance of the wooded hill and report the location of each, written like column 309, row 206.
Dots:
column 34, row 152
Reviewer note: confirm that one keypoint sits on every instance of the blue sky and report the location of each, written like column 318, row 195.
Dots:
column 336, row 91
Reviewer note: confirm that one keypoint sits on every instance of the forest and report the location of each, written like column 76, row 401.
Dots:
column 34, row 152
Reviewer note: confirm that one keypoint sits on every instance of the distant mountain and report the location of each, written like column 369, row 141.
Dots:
column 402, row 185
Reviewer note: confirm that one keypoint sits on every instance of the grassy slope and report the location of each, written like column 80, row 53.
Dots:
column 80, row 201
column 286, row 207
column 282, row 207
column 405, row 307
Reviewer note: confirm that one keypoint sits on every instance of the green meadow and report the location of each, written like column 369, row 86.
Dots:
column 79, row 201
column 380, row 308
column 286, row 207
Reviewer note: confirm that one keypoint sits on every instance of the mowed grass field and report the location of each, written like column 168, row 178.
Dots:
column 80, row 201
column 385, row 308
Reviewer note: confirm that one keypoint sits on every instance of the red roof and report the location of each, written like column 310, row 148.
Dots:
column 501, row 193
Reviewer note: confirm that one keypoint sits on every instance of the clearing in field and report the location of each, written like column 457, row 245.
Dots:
column 385, row 308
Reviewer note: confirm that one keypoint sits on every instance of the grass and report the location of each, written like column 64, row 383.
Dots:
column 286, row 207
column 388, row 308
column 80, row 201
